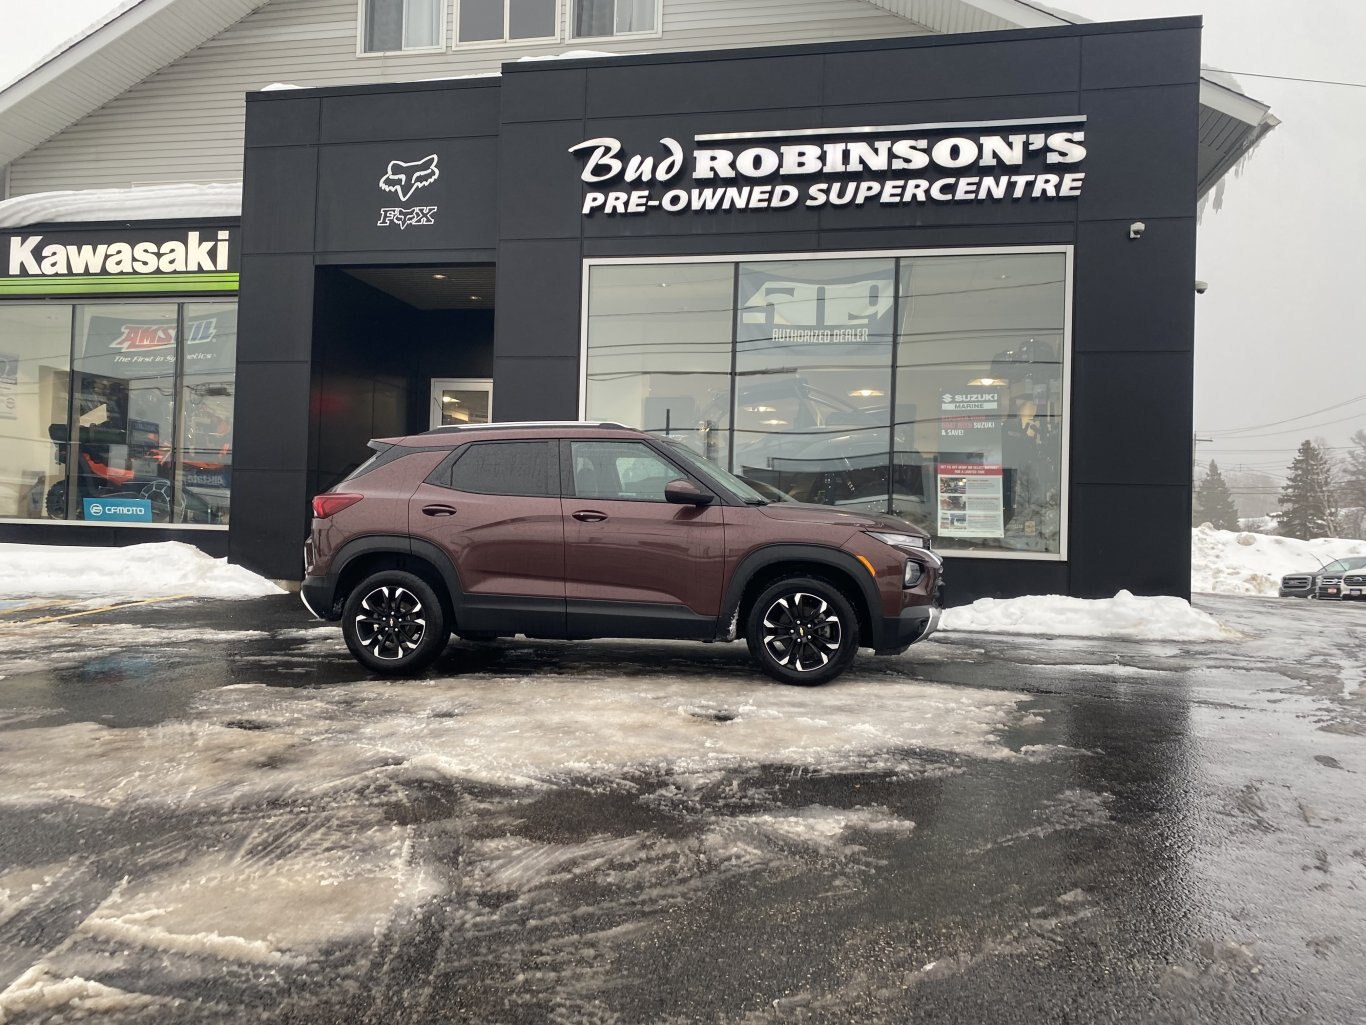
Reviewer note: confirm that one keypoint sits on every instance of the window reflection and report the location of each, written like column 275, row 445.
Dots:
column 35, row 374
column 929, row 386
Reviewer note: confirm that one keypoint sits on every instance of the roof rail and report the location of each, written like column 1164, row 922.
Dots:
column 530, row 425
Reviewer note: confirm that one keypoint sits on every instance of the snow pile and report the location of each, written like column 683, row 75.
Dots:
column 1238, row 562
column 1125, row 616
column 137, row 571
column 148, row 202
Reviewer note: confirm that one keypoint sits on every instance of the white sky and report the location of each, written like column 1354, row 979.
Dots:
column 1278, row 334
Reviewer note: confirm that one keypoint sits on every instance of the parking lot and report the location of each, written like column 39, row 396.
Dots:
column 210, row 814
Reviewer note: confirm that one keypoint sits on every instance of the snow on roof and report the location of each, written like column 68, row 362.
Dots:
column 152, row 202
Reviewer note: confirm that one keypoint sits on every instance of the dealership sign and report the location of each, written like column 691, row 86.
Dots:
column 889, row 165
column 117, row 260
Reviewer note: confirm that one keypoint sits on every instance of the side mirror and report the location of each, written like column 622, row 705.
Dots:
column 685, row 492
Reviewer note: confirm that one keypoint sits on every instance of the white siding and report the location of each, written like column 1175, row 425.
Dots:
column 185, row 122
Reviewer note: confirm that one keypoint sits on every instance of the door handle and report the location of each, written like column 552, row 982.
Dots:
column 438, row 510
column 590, row 516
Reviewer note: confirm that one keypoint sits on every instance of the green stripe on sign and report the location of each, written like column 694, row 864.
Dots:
column 118, row 284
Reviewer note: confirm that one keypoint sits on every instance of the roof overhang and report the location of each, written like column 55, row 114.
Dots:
column 1231, row 122
column 133, row 42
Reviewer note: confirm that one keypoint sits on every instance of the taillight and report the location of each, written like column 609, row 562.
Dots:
column 331, row 504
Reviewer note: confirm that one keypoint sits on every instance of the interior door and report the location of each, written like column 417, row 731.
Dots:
column 461, row 400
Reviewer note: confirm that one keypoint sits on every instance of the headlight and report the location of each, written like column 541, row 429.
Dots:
column 900, row 540
column 913, row 572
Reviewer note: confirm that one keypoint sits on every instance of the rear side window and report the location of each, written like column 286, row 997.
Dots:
column 383, row 454
column 503, row 468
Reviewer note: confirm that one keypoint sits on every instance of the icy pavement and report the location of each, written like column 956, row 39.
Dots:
column 209, row 814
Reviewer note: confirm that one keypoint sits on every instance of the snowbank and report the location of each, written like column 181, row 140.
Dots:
column 1238, row 562
column 1124, row 616
column 137, row 571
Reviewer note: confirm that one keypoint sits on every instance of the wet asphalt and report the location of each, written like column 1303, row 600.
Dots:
column 1093, row 830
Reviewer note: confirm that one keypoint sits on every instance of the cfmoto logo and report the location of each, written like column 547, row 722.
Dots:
column 96, row 509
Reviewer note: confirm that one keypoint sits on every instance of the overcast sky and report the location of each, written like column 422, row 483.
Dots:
column 1279, row 333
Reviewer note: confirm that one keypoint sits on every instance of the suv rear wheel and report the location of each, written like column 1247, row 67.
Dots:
column 393, row 623
column 802, row 630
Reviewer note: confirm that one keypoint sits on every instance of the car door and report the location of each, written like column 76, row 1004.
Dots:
column 494, row 508
column 636, row 565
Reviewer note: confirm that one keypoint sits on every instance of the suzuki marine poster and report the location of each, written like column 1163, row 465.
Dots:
column 971, row 494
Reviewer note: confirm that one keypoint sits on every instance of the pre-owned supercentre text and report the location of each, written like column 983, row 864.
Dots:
column 757, row 177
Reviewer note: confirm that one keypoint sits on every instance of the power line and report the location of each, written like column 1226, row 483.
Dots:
column 1291, row 78
column 1229, row 431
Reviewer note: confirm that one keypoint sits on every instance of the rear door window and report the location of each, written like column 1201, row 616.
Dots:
column 502, row 468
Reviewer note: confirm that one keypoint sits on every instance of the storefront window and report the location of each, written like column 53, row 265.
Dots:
column 659, row 350
column 35, row 372
column 813, row 361
column 979, row 399
column 108, row 414
column 204, row 457
column 929, row 386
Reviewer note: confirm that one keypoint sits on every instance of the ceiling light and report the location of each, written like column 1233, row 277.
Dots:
column 989, row 382
column 439, row 277
column 865, row 393
column 476, row 298
column 775, row 423
column 760, row 409
column 451, row 399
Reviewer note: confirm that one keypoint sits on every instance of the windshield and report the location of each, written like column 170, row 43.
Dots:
column 1342, row 565
column 713, row 474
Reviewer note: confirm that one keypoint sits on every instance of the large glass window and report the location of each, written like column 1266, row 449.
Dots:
column 980, row 397
column 117, row 412
column 813, row 361
column 35, row 374
column 614, row 17
column 497, row 20
column 931, row 386
column 392, row 25
column 659, row 350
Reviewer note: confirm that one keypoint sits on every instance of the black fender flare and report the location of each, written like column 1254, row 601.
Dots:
column 819, row 555
column 398, row 544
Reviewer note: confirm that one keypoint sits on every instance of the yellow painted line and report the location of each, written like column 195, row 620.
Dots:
column 104, row 608
column 37, row 603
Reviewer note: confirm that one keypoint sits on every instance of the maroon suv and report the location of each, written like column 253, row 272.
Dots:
column 579, row 530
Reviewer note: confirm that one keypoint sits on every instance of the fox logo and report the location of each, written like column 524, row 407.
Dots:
column 404, row 216
column 405, row 179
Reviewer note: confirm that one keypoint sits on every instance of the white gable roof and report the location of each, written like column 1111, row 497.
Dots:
column 135, row 40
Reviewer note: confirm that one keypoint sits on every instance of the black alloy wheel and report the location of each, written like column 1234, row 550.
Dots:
column 393, row 623
column 802, row 630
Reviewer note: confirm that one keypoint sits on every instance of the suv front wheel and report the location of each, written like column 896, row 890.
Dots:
column 802, row 630
column 394, row 624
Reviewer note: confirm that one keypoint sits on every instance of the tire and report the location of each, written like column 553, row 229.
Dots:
column 802, row 630
column 393, row 623
column 55, row 502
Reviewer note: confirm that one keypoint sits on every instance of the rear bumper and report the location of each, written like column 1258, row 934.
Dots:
column 317, row 594
column 914, row 624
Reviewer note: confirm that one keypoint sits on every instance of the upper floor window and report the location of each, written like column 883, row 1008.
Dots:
column 614, row 17
column 392, row 25
column 498, row 20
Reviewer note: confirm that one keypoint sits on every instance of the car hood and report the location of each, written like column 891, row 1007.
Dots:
column 801, row 512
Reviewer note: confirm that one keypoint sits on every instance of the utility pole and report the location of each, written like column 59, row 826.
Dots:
column 1195, row 457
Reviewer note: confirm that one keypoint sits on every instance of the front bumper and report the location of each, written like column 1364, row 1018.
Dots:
column 915, row 623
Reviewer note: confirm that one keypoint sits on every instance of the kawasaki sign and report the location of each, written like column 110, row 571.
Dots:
column 122, row 261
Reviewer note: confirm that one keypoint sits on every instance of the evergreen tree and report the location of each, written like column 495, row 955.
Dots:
column 1308, row 508
column 1213, row 501
column 1354, row 475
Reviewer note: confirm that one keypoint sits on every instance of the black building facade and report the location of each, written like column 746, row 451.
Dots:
column 947, row 276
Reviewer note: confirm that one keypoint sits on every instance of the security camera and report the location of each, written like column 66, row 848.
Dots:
column 1136, row 229
column 1201, row 287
